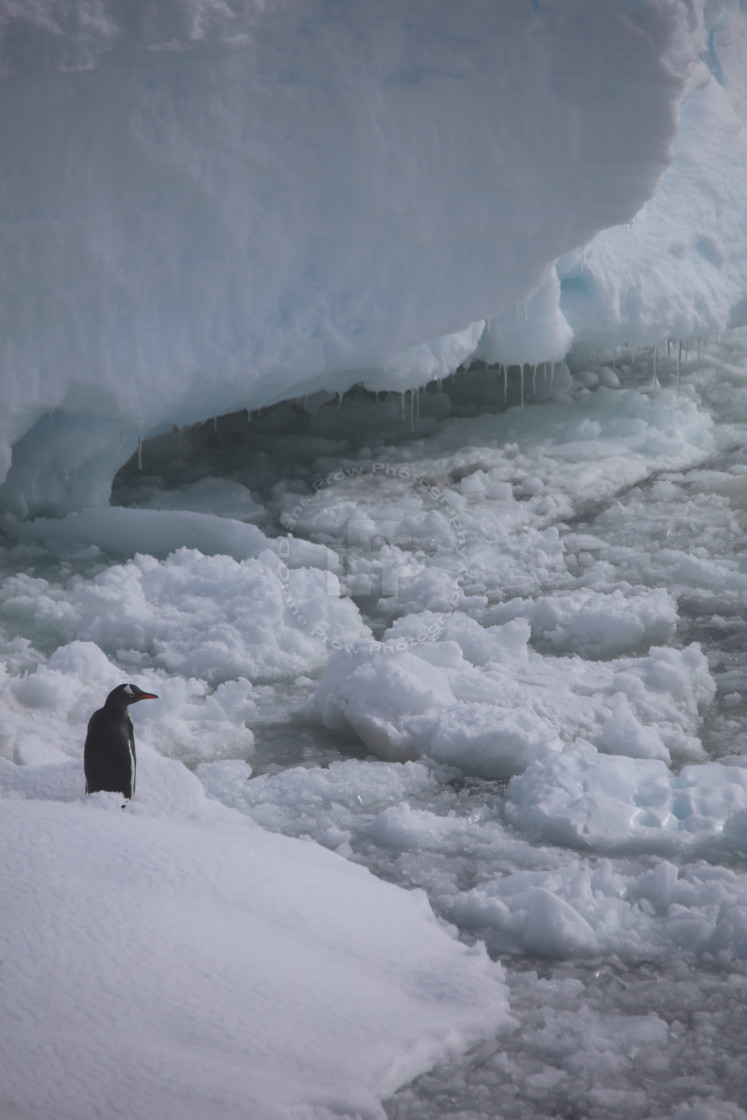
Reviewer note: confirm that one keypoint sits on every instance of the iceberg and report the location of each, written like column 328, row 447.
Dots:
column 208, row 207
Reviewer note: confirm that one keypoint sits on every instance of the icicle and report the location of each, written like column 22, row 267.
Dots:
column 521, row 385
column 504, row 371
column 679, row 366
column 139, row 453
column 534, row 380
column 339, row 400
column 402, row 406
column 656, row 355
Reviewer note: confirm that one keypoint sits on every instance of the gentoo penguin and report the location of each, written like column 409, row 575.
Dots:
column 109, row 753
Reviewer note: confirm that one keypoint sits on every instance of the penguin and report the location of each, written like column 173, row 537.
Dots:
column 109, row 754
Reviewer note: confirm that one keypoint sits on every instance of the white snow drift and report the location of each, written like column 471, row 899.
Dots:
column 173, row 964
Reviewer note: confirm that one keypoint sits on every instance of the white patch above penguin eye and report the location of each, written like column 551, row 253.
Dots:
column 129, row 690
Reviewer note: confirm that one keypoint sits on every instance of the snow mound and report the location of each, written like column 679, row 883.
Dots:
column 306, row 987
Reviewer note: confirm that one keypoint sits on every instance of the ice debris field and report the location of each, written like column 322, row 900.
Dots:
column 442, row 807
column 500, row 708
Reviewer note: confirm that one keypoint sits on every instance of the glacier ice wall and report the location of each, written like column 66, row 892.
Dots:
column 680, row 268
column 215, row 204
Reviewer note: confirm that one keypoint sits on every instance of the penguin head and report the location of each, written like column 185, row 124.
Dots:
column 125, row 694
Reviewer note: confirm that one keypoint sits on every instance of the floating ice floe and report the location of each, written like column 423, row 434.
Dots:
column 593, row 908
column 615, row 804
column 213, row 617
column 595, row 624
column 122, row 531
column 483, row 702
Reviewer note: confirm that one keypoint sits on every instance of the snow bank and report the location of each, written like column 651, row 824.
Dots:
column 218, row 206
column 184, row 964
column 47, row 708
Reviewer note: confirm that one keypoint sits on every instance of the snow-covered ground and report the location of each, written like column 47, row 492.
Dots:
column 487, row 668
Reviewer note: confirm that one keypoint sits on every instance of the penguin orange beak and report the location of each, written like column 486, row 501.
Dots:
column 147, row 696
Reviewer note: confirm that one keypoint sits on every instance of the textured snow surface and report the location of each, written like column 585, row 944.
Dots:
column 172, row 961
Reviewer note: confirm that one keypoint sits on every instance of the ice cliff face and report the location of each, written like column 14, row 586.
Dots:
column 216, row 204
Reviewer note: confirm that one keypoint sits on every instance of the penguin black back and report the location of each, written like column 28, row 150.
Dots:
column 109, row 755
